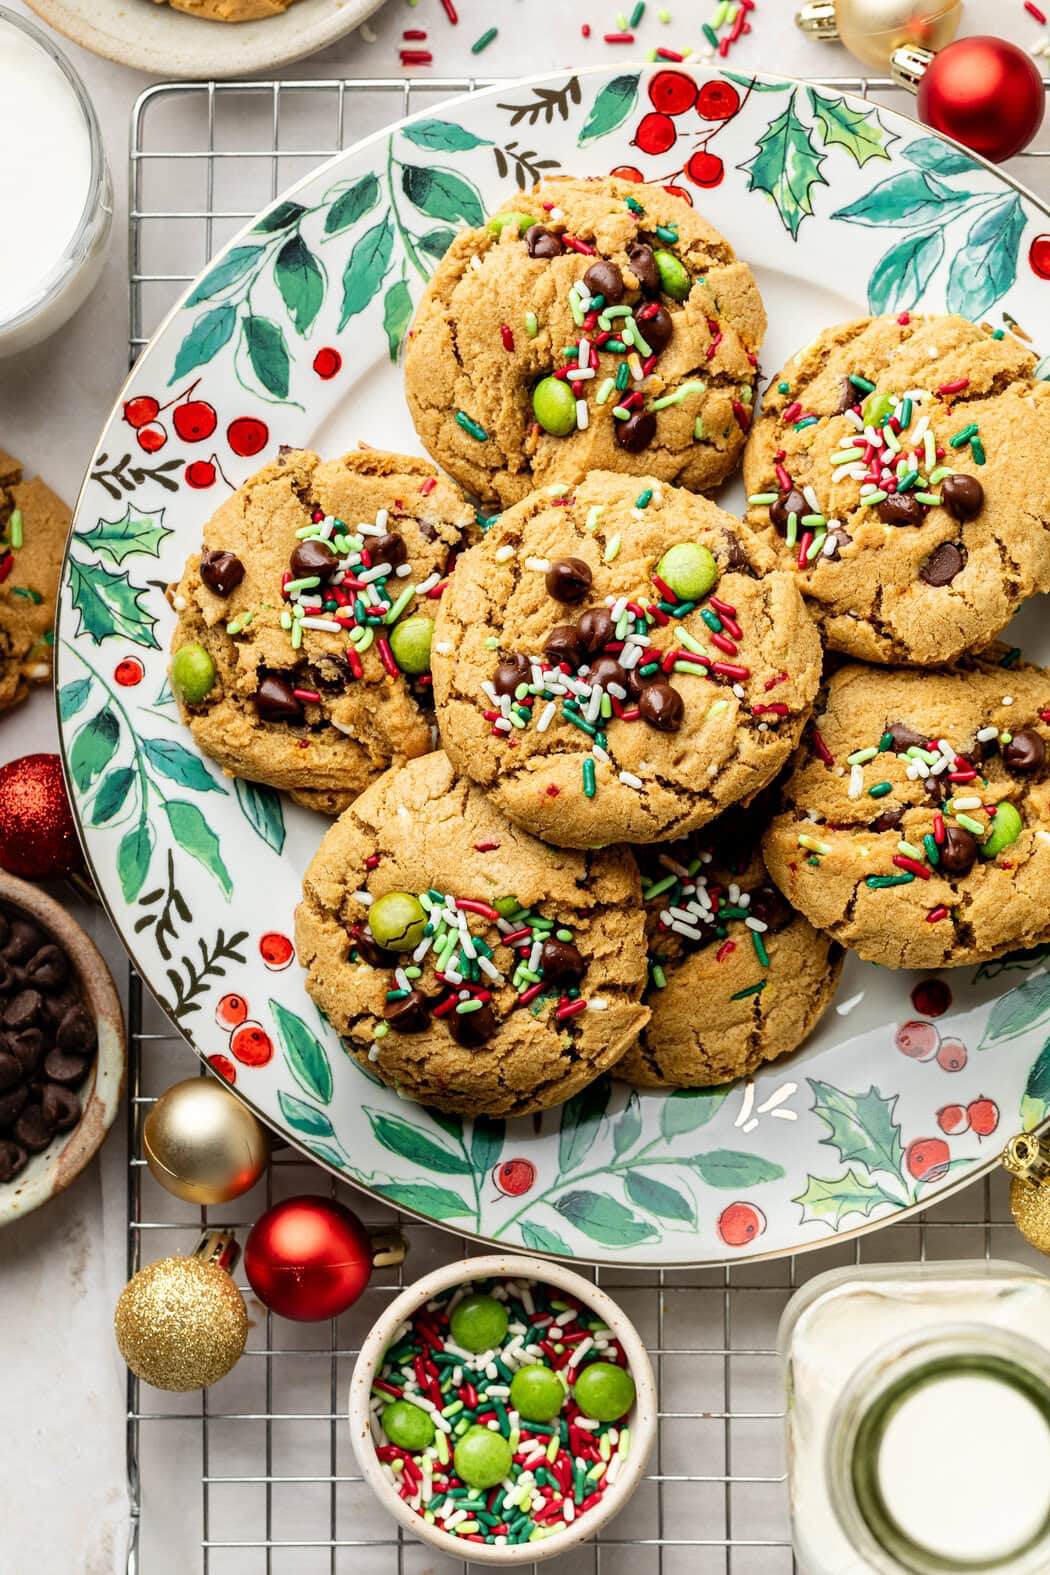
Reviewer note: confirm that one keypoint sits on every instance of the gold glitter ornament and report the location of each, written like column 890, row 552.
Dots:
column 873, row 30
column 181, row 1324
column 203, row 1144
column 1027, row 1158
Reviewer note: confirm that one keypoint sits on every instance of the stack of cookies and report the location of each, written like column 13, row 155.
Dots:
column 606, row 800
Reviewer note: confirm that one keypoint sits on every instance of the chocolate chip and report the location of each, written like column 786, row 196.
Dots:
column 12, row 1104
column 962, row 496
column 48, row 969
column 331, row 671
column 838, row 538
column 789, row 502
column 768, row 905
column 27, row 1049
column 10, row 1071
column 958, row 850
column 594, row 629
column 562, row 963
column 511, row 672
column 937, row 787
column 22, row 1010
column 275, row 702
column 643, row 266
column 473, row 1029
column 221, row 572
column 76, row 1033
column 889, row 820
column 61, row 1106
column 943, row 564
column 901, row 508
column 637, row 680
column 388, row 548
column 34, row 1130
column 637, row 432
column 568, row 579
column 905, row 738
column 662, row 707
column 313, row 557
column 657, row 329
column 736, row 557
column 408, row 1016
column 25, row 939
column 1025, row 752
column 563, row 645
column 541, row 242
column 13, row 1160
column 62, row 1066
column 848, row 397
column 604, row 278
column 370, row 950
column 605, row 671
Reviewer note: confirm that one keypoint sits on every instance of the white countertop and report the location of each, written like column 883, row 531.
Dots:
column 63, row 1500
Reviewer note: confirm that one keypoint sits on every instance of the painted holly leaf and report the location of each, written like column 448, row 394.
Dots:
column 268, row 354
column 94, row 748
column 73, row 697
column 539, row 1238
column 397, row 314
column 138, row 532
column 410, row 1142
column 986, row 267
column 109, row 800
column 306, row 1055
column 281, row 217
column 195, row 837
column 899, row 279
column 726, row 1167
column 442, row 194
column 929, row 153
column 687, row 1109
column 436, row 1203
column 209, row 334
column 133, row 857
column 1035, row 1102
column 656, row 1197
column 436, row 242
column 830, row 1201
column 227, row 271
column 486, row 1143
column 1017, row 1011
column 329, row 1154
column 604, row 1219
column 108, row 605
column 580, row 1118
column 304, row 1118
column 859, row 131
column 352, row 204
column 862, row 1127
column 787, row 166
column 627, row 1129
column 614, row 103
column 905, row 201
column 301, row 281
column 444, row 136
column 263, row 810
column 179, row 764
column 753, row 85
column 366, row 269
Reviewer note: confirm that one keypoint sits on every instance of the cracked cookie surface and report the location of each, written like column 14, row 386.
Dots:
column 422, row 830
column 33, row 527
column 669, row 749
column 496, row 319
column 931, row 848
column 936, row 565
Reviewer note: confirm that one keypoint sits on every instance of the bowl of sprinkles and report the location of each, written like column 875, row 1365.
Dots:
column 496, row 1408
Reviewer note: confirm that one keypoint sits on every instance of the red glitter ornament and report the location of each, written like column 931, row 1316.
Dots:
column 38, row 837
column 308, row 1258
column 984, row 92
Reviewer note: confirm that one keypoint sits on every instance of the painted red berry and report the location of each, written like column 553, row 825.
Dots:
column 672, row 92
column 740, row 1223
column 705, row 169
column 276, row 950
column 514, row 1177
column 195, row 420
column 327, row 362
column 129, row 672
column 231, row 1011
column 952, row 1118
column 679, row 191
column 200, row 474
column 1039, row 256
column 224, row 1067
column 931, row 998
column 984, row 1116
column 247, row 436
column 717, row 100
column 626, row 172
column 655, row 133
column 917, row 1040
column 141, row 409
column 251, row 1045
column 151, row 437
column 927, row 1158
column 951, row 1055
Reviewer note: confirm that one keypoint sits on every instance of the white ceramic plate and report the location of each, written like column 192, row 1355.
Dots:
column 836, row 205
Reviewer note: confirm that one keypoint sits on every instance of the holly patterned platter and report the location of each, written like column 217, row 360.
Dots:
column 292, row 335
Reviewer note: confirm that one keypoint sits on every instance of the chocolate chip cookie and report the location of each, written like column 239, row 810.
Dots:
column 230, row 10
column 33, row 527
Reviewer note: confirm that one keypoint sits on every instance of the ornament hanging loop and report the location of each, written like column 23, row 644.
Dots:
column 1027, row 1158
column 817, row 20
column 389, row 1248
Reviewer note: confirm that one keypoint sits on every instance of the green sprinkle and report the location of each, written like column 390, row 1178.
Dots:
column 677, row 397
column 690, row 641
column 760, row 948
column 665, row 233
column 807, row 421
column 623, row 376
column 862, row 383
column 712, row 38
column 812, row 844
column 977, row 450
column 636, row 208
column 904, row 414
column 880, row 882
column 380, row 1031
column 752, row 989
column 763, row 499
column 878, row 496
column 605, row 389
column 932, row 498
column 594, row 514
column 659, row 977
column 698, row 429
column 970, row 824
column 14, row 529
column 615, row 346
column 297, row 634
column 880, row 789
column 307, row 584
column 962, row 437
column 471, row 426
column 643, row 500
column 791, row 534
column 286, row 619
column 484, row 41
column 612, row 547
column 909, row 850
column 399, row 606
column 939, row 474
column 1000, row 333
column 783, row 388
column 712, row 620
column 635, row 18
column 907, row 480
column 933, row 852
column 532, row 327
column 813, row 521
column 860, row 756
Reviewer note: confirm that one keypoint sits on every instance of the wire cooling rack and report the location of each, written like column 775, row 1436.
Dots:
column 256, row 1476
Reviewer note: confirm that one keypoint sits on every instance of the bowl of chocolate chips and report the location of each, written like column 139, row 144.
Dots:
column 62, row 1048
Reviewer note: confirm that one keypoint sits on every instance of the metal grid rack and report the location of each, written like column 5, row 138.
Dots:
column 256, row 1476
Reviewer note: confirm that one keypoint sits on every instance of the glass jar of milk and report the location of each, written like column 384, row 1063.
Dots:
column 56, row 201
column 918, row 1419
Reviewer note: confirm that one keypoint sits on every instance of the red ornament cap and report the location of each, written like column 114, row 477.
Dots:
column 38, row 836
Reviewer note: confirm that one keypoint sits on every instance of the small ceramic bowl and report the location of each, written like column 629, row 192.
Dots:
column 65, row 1157
column 641, row 1418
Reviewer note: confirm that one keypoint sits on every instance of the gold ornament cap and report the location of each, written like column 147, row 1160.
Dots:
column 181, row 1323
column 389, row 1248
column 818, row 19
column 202, row 1144
column 1027, row 1158
column 908, row 66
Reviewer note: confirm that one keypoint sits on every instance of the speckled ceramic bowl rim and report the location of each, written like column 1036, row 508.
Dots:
column 51, row 1172
column 505, row 1266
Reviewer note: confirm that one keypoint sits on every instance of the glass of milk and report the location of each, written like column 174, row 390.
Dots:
column 918, row 1420
column 56, row 200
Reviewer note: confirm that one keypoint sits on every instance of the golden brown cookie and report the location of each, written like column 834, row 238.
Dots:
column 624, row 284
column 912, row 453
column 596, row 701
column 916, row 824
column 229, row 10
column 33, row 527
column 319, row 706
column 522, row 967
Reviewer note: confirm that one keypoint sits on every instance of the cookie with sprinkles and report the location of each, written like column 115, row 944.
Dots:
column 474, row 968
column 915, row 827
column 589, row 324
column 33, row 527
column 612, row 664
column 736, row 977
column 301, row 657
column 898, row 469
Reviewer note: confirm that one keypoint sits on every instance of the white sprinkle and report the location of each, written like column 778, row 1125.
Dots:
column 319, row 623
column 584, row 356
column 777, row 1097
column 758, row 925
column 811, row 498
column 965, row 803
column 582, row 416
column 365, row 898
column 475, row 263
column 784, row 1115
column 985, row 733
column 541, row 565
column 856, row 781
column 1007, row 700
column 845, row 1007
column 597, row 1003
column 374, row 1051
column 546, row 716
column 746, row 1103
column 749, row 1126
column 504, row 553
column 179, row 603
column 443, row 647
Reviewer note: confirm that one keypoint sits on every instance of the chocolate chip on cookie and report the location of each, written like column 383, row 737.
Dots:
column 569, row 579
column 221, row 572
column 943, row 564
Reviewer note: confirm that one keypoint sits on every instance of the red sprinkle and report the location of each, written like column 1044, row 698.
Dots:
column 713, row 346
column 386, row 656
column 903, row 862
column 530, row 994
column 7, row 563
column 416, row 57
column 582, row 247
column 724, row 950
column 733, row 628
column 309, row 695
column 619, row 38
column 443, row 1008
column 743, row 415
column 669, row 54
column 450, row 11
column 771, row 683
column 570, row 1009
column 586, row 30
column 904, row 319
column 471, row 905
column 955, row 387
column 803, row 547
column 1033, row 10
column 355, row 662
column 730, row 670
column 784, row 478
column 777, row 707
column 822, row 749
column 725, row 645
column 372, row 861
column 938, row 827
column 793, row 411
column 936, row 914
column 506, row 336
column 414, row 35
column 428, row 486
column 486, row 847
